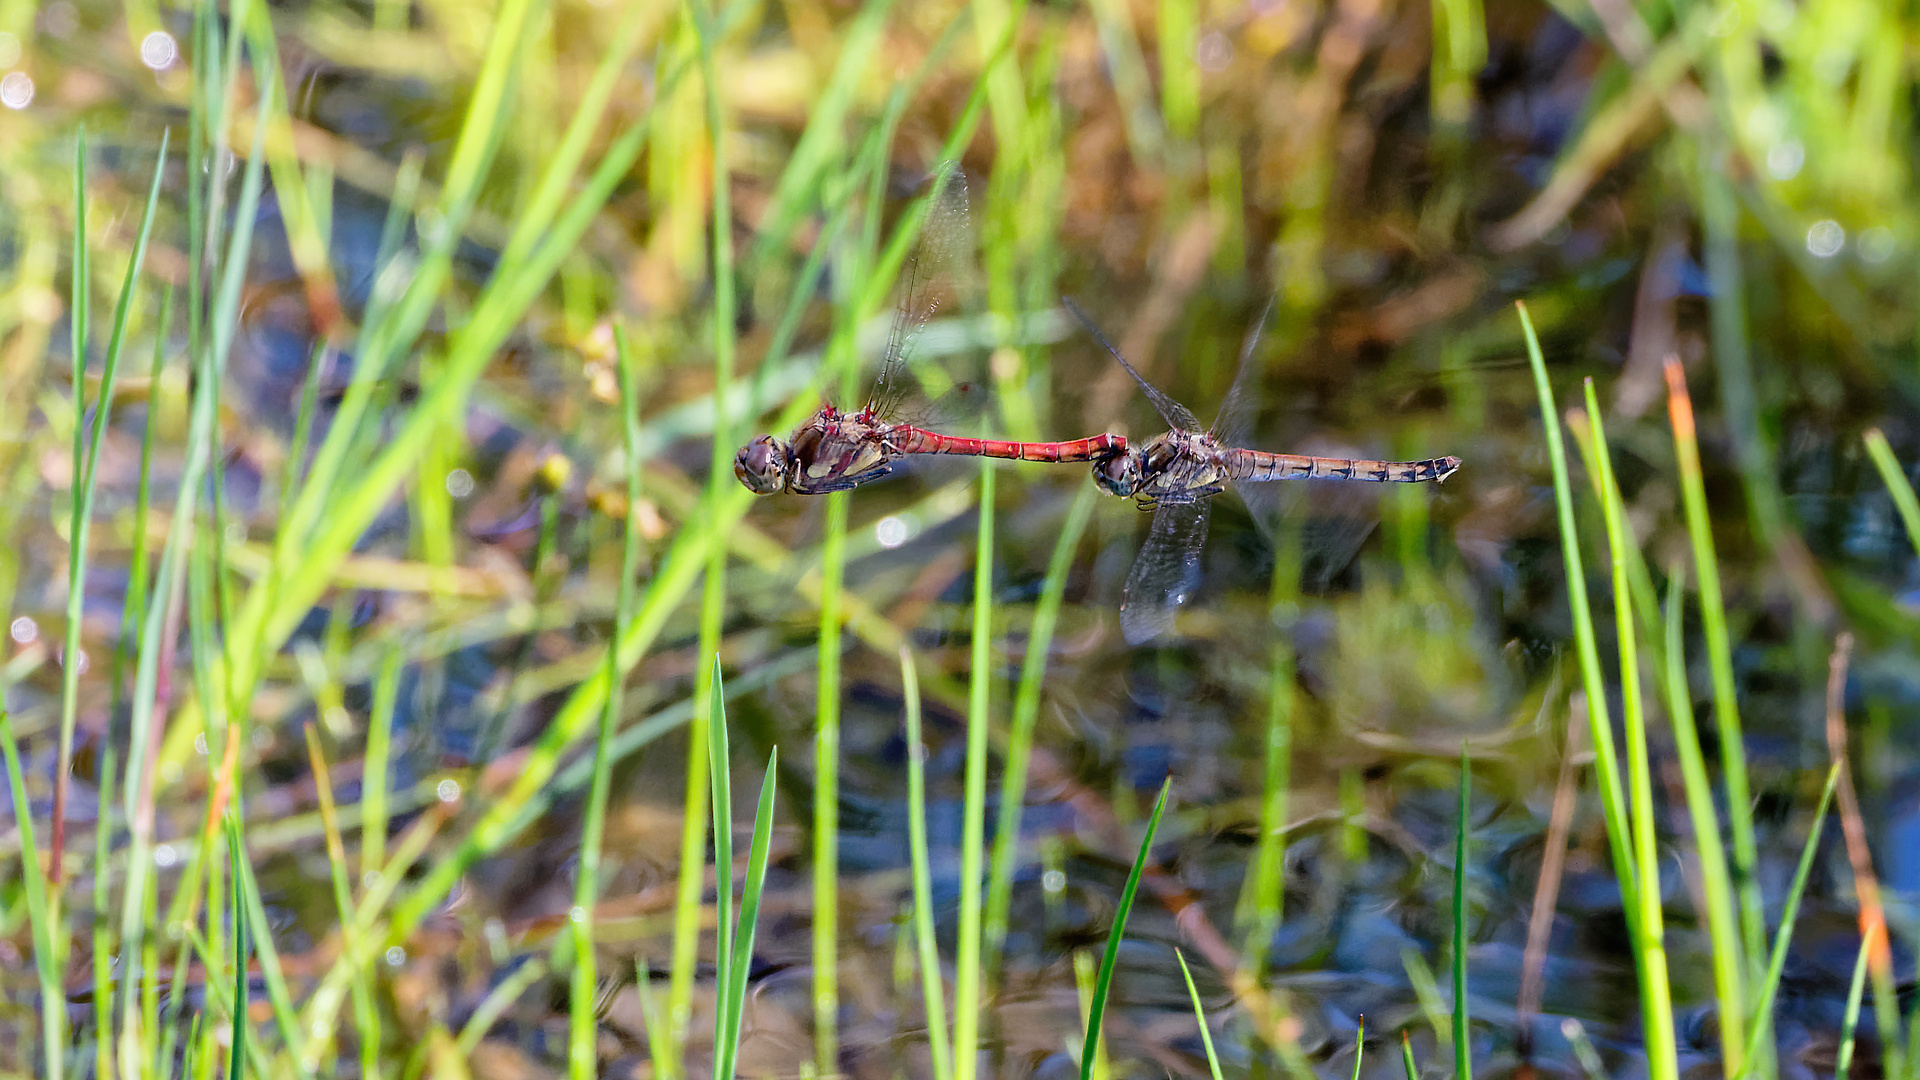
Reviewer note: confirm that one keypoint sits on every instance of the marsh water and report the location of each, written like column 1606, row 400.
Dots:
column 1361, row 638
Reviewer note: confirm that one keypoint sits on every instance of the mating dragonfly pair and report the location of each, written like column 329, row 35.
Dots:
column 1173, row 474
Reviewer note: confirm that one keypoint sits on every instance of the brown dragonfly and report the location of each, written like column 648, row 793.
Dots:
column 1175, row 474
column 837, row 451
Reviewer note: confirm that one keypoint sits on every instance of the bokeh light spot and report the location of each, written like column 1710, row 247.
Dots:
column 1825, row 239
column 158, row 50
column 16, row 90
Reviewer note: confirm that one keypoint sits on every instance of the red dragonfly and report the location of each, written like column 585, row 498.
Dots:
column 1175, row 474
column 838, row 451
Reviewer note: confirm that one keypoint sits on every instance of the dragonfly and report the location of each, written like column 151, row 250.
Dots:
column 1176, row 473
column 834, row 450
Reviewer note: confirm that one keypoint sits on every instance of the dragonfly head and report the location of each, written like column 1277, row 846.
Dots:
column 764, row 465
column 1119, row 473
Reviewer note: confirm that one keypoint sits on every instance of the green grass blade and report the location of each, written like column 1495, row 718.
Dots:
column 76, row 525
column 1606, row 757
column 1263, row 895
column 237, row 912
column 1180, row 69
column 1459, row 53
column 1647, row 932
column 968, row 960
column 1026, row 713
column 1359, row 1046
column 1407, row 1064
column 582, row 1014
column 1897, row 484
column 1726, row 705
column 1097, row 1007
column 654, row 1014
column 48, row 946
column 1462, row 1041
column 366, row 1015
column 1426, row 991
column 1791, row 911
column 495, row 1005
column 1716, row 884
column 733, row 980
column 259, row 942
column 938, row 1046
column 1084, row 976
column 137, row 797
column 133, row 612
column 1200, row 1017
column 1126, row 65
column 103, row 978
column 826, row 788
column 1850, row 1019
column 719, row 784
column 373, row 773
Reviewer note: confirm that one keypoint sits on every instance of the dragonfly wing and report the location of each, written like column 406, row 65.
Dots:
column 930, row 279
column 1174, row 413
column 1167, row 571
column 1235, row 421
column 1324, row 522
column 1269, row 504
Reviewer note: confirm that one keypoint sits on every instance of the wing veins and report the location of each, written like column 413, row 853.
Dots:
column 1166, row 572
column 1174, row 413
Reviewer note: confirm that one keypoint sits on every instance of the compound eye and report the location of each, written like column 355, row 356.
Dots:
column 1116, row 474
column 761, row 465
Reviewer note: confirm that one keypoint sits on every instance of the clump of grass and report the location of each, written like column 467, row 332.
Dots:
column 1630, row 815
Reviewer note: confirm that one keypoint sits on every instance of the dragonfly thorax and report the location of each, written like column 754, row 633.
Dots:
column 764, row 465
column 1177, row 466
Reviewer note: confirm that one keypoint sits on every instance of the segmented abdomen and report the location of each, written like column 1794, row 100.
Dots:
column 1257, row 465
column 906, row 439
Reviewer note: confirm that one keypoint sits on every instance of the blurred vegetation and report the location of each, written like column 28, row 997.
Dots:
column 367, row 725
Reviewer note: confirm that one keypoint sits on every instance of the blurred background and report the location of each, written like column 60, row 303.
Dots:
column 1726, row 186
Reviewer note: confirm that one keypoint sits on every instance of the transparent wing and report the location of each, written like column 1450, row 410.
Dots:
column 1174, row 413
column 930, row 281
column 1324, row 523
column 1235, row 421
column 1166, row 572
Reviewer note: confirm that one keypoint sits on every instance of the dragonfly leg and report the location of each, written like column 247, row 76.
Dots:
column 854, row 480
column 1177, row 498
